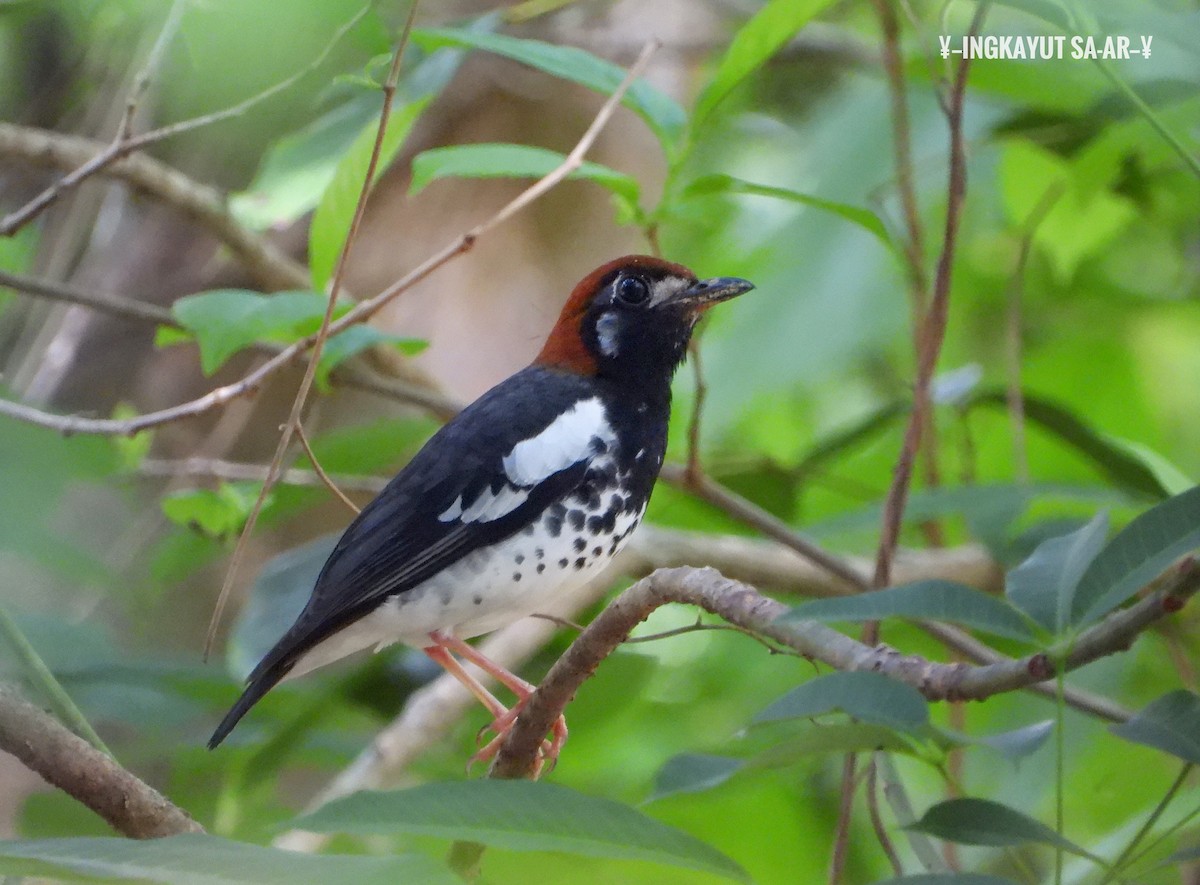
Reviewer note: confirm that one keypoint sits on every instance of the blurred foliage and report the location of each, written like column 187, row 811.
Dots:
column 781, row 171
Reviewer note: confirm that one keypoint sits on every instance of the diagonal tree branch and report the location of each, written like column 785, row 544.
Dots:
column 129, row 805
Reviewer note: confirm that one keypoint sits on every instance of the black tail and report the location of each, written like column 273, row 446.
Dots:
column 261, row 681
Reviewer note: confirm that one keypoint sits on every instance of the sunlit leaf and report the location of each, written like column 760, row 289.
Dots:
column 933, row 600
column 207, row 860
column 664, row 116
column 1043, row 585
column 513, row 161
column 984, row 822
column 335, row 210
column 217, row 513
column 871, row 697
column 727, row 184
column 520, row 816
column 1138, row 553
column 767, row 31
column 1171, row 724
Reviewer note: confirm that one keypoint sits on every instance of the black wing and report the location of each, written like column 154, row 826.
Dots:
column 403, row 536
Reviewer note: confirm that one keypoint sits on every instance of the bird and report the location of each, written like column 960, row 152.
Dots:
column 523, row 496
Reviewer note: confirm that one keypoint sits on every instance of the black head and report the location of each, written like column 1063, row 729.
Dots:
column 632, row 318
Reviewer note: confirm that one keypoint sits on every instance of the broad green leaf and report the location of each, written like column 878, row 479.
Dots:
column 1171, row 724
column 196, row 859
column 521, row 816
column 1124, row 468
column 335, row 211
column 947, row 879
column 870, row 697
column 755, row 42
column 513, row 161
column 933, row 600
column 228, row 320
column 1043, row 585
column 663, row 115
column 694, row 773
column 298, row 167
column 726, row 184
column 984, row 822
column 218, row 513
column 1138, row 553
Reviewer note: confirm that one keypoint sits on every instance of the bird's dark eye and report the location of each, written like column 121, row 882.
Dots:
column 632, row 290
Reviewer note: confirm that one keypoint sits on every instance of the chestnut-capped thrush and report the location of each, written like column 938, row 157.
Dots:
column 524, row 495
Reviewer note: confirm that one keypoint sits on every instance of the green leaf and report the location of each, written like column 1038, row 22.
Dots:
column 1043, row 585
column 1170, row 723
column 1020, row 742
column 1169, row 477
column 335, row 211
column 661, row 113
column 871, row 697
column 726, row 184
column 1138, row 553
column 933, row 600
column 756, row 41
column 521, row 816
column 694, row 773
column 228, row 320
column 1122, row 467
column 218, row 513
column 513, row 161
column 984, row 822
column 196, row 859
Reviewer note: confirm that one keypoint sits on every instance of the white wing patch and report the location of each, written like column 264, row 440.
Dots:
column 566, row 441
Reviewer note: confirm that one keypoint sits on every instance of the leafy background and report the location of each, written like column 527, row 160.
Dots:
column 763, row 149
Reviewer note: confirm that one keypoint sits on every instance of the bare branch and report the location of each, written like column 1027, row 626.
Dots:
column 270, row 268
column 67, row 761
column 219, row 397
column 742, row 605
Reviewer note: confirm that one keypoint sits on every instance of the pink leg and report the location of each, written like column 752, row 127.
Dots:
column 443, row 644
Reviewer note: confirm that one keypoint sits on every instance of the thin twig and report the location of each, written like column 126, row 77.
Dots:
column 1014, row 394
column 881, row 833
column 349, row 374
column 325, row 478
column 314, row 356
column 841, row 832
column 214, row 399
column 126, row 142
column 934, row 327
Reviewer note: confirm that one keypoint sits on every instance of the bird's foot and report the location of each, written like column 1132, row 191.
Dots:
column 548, row 752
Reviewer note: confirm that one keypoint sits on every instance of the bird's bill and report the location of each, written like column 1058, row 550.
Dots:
column 703, row 294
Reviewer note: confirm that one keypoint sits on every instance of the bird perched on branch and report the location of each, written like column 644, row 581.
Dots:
column 524, row 495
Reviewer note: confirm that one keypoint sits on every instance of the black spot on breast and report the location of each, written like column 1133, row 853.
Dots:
column 554, row 525
column 616, row 503
column 558, row 510
column 580, row 562
column 539, row 553
column 563, row 563
column 541, row 567
column 605, row 524
column 520, row 558
column 528, row 530
column 516, row 576
column 579, row 545
column 596, row 551
column 575, row 517
column 599, row 446
column 478, row 600
column 445, row 596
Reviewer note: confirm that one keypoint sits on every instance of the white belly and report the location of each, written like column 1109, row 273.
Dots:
column 485, row 590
